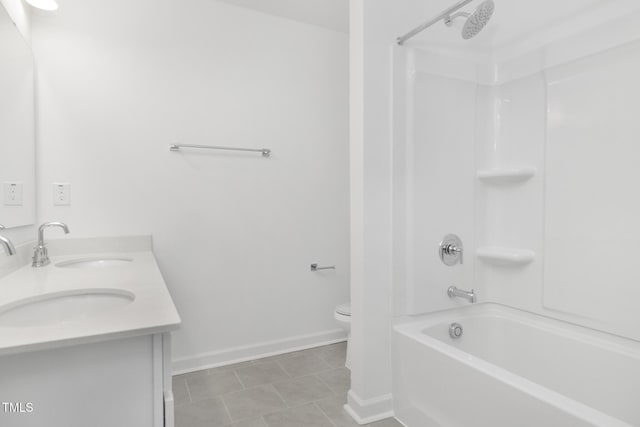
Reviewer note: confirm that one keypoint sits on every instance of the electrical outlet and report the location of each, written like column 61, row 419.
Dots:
column 13, row 194
column 61, row 194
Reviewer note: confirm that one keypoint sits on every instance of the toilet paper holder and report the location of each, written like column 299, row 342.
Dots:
column 314, row 267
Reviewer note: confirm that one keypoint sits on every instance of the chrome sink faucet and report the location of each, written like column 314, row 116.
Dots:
column 468, row 295
column 40, row 254
column 8, row 246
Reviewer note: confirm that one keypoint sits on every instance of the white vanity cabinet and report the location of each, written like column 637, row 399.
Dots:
column 121, row 382
column 85, row 342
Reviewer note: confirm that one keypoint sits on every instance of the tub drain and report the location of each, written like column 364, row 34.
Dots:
column 455, row 330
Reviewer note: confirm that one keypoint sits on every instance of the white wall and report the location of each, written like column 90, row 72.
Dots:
column 234, row 233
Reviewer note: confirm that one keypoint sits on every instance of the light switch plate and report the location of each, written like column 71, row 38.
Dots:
column 61, row 194
column 13, row 193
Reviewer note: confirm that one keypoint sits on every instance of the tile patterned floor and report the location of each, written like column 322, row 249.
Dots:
column 302, row 389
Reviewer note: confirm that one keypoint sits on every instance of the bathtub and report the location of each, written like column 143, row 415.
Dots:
column 512, row 369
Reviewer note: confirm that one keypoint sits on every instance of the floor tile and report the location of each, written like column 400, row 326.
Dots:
column 333, row 408
column 338, row 380
column 253, row 403
column 306, row 352
column 256, row 422
column 389, row 422
column 335, row 355
column 261, row 373
column 229, row 367
column 209, row 413
column 309, row 351
column 304, row 364
column 302, row 416
column 191, row 374
column 305, row 388
column 274, row 357
column 180, row 392
column 301, row 390
column 213, row 385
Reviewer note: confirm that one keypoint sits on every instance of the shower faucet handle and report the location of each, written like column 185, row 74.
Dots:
column 451, row 250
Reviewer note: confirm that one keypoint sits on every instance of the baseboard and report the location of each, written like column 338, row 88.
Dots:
column 369, row 410
column 255, row 351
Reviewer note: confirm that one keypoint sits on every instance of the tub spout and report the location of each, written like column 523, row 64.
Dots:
column 454, row 292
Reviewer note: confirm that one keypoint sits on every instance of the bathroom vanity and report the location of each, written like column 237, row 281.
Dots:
column 85, row 341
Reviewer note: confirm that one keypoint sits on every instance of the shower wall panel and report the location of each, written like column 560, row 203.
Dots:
column 592, row 202
column 440, row 175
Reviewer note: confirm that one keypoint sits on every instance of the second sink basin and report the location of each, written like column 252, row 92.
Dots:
column 97, row 262
column 60, row 307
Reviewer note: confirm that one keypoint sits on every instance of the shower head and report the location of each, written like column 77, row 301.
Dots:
column 476, row 21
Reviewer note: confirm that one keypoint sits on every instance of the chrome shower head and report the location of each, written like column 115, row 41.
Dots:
column 476, row 21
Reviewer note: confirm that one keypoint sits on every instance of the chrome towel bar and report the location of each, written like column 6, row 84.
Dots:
column 176, row 147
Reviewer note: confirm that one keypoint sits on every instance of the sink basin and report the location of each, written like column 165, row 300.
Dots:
column 100, row 262
column 61, row 307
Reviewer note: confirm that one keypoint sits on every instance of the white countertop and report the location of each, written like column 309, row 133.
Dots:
column 151, row 311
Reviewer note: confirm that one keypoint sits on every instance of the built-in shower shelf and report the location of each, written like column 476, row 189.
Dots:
column 505, row 256
column 498, row 176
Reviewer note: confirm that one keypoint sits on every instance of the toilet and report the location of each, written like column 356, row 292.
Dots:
column 342, row 314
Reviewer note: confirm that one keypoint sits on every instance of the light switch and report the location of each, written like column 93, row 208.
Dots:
column 13, row 194
column 61, row 194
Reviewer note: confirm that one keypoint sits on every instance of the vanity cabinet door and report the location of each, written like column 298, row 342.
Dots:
column 103, row 384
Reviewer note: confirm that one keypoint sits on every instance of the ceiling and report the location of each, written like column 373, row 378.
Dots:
column 332, row 14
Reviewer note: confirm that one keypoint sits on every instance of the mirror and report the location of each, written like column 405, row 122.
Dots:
column 17, row 127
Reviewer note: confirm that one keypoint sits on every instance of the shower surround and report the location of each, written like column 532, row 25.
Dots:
column 529, row 158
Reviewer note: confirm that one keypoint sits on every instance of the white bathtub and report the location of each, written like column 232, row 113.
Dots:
column 512, row 369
